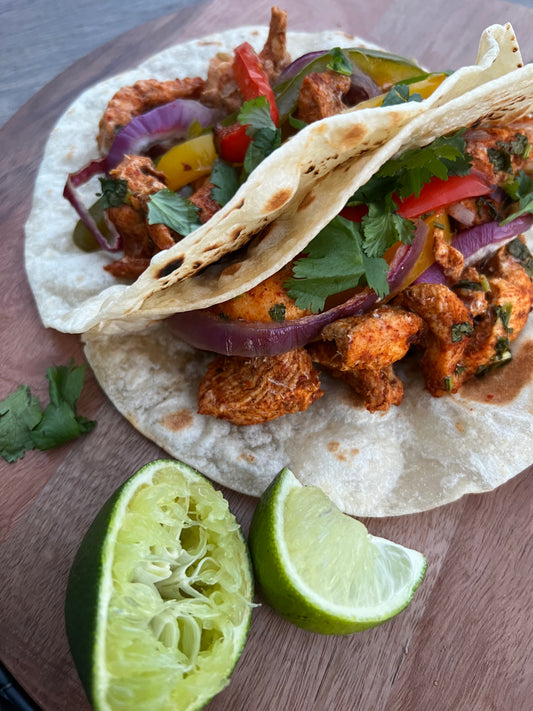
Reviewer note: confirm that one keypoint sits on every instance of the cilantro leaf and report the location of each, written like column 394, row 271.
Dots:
column 20, row 412
column 114, row 192
column 24, row 426
column 443, row 157
column 399, row 94
column 168, row 208
column 340, row 62
column 383, row 227
column 255, row 114
column 335, row 262
column 520, row 189
column 265, row 135
column 225, row 180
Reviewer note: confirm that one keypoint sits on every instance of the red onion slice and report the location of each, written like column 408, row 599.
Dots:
column 476, row 243
column 74, row 180
column 205, row 330
column 171, row 120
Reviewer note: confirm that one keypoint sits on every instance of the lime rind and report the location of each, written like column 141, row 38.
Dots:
column 167, row 619
column 321, row 569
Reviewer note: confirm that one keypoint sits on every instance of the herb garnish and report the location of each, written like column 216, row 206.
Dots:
column 335, row 261
column 519, row 251
column 460, row 330
column 25, row 426
column 265, row 135
column 225, row 180
column 519, row 189
column 114, row 192
column 339, row 62
column 277, row 312
column 399, row 94
column 500, row 157
column 346, row 254
column 170, row 209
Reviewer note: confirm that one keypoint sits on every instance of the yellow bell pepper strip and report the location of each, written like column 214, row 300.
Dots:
column 188, row 161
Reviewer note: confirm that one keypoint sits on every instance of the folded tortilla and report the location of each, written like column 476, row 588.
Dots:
column 282, row 200
column 423, row 454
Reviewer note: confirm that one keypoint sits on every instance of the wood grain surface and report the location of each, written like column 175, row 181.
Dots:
column 465, row 641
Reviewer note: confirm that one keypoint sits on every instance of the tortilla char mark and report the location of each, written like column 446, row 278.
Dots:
column 178, row 421
column 171, row 267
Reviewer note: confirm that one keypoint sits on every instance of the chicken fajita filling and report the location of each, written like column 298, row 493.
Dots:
column 427, row 259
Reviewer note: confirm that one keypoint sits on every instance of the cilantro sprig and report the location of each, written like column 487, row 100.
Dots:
column 345, row 254
column 265, row 135
column 335, row 262
column 173, row 210
column 25, row 426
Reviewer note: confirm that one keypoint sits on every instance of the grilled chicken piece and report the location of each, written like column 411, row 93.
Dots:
column 321, row 95
column 250, row 391
column 221, row 90
column 274, row 55
column 142, row 177
column 509, row 302
column 144, row 95
column 133, row 229
column 267, row 301
column 379, row 388
column 373, row 340
column 204, row 201
column 362, row 349
column 448, row 327
column 497, row 143
column 470, row 289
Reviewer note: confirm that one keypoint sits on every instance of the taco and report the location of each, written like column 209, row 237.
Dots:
column 153, row 378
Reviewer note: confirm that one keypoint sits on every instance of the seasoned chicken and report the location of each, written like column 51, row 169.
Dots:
column 266, row 302
column 321, row 95
column 274, row 55
column 472, row 290
column 144, row 95
column 249, row 391
column 509, row 301
column 448, row 327
column 142, row 177
column 204, row 201
column 141, row 240
column 379, row 388
column 362, row 349
column 221, row 90
column 499, row 151
column 133, row 229
column 373, row 340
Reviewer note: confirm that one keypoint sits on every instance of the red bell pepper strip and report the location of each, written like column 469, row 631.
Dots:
column 439, row 193
column 252, row 78
column 252, row 81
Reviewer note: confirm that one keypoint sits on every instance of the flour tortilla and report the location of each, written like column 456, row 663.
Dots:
column 283, row 196
column 423, row 454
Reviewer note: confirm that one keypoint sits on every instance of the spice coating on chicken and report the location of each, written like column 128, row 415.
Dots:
column 274, row 55
column 362, row 349
column 321, row 95
column 373, row 340
column 249, row 391
column 144, row 95
column 268, row 301
column 448, row 326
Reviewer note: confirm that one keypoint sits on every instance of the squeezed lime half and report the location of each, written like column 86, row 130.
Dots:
column 320, row 568
column 159, row 596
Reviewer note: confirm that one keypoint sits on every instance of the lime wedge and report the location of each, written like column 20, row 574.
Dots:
column 159, row 595
column 320, row 568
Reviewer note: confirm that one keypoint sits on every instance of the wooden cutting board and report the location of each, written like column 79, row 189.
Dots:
column 464, row 643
